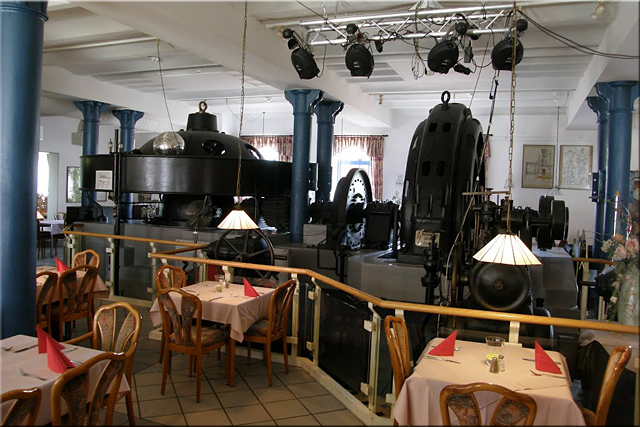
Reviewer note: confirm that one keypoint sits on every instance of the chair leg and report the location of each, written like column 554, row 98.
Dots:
column 248, row 352
column 130, row 413
column 161, row 350
column 198, row 376
column 232, row 360
column 284, row 353
column 190, row 364
column 267, row 356
column 166, row 369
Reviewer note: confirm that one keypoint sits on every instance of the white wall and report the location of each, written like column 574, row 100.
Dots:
column 56, row 138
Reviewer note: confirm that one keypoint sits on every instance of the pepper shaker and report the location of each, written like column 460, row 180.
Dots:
column 495, row 367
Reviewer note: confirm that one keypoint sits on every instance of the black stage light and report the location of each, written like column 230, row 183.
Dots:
column 359, row 60
column 522, row 25
column 287, row 33
column 461, row 69
column 378, row 44
column 351, row 28
column 502, row 54
column 443, row 56
column 292, row 43
column 304, row 63
column 462, row 28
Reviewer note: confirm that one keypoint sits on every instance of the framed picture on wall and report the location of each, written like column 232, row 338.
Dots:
column 575, row 166
column 538, row 164
column 74, row 195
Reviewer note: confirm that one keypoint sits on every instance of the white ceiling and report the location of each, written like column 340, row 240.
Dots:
column 75, row 41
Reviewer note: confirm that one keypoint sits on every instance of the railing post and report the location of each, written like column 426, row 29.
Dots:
column 295, row 315
column 112, row 265
column 227, row 275
column 314, row 346
column 203, row 268
column 154, row 267
column 373, row 326
column 514, row 332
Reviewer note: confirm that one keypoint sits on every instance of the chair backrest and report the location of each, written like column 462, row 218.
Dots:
column 180, row 324
column 79, row 293
column 60, row 215
column 25, row 407
column 395, row 329
column 617, row 361
column 88, row 257
column 47, row 293
column 511, row 409
column 75, row 387
column 280, row 306
column 105, row 321
column 169, row 276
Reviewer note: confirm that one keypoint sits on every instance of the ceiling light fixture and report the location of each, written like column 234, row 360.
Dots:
column 301, row 57
column 506, row 247
column 501, row 55
column 238, row 219
column 443, row 56
column 359, row 59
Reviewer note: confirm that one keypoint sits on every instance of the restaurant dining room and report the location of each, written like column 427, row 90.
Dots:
column 319, row 213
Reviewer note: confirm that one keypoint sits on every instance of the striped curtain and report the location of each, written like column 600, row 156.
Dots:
column 283, row 144
column 373, row 145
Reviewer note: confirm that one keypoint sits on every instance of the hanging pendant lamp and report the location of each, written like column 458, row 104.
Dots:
column 507, row 248
column 238, row 219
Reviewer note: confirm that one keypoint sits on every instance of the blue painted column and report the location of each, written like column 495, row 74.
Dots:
column 326, row 113
column 304, row 102
column 128, row 119
column 91, row 111
column 21, row 34
column 620, row 96
column 600, row 107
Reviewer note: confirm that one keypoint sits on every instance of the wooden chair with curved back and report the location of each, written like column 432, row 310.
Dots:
column 24, row 409
column 511, row 409
column 395, row 330
column 182, row 335
column 84, row 398
column 273, row 328
column 617, row 361
column 167, row 277
column 88, row 257
column 104, row 337
column 76, row 297
column 44, row 301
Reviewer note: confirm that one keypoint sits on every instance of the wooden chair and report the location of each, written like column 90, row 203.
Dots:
column 25, row 407
column 511, row 409
column 167, row 277
column 182, row 335
column 83, row 401
column 105, row 338
column 44, row 302
column 617, row 361
column 88, row 257
column 78, row 302
column 395, row 329
column 43, row 235
column 266, row 331
column 56, row 237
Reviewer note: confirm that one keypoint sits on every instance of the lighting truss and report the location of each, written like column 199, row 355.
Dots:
column 414, row 24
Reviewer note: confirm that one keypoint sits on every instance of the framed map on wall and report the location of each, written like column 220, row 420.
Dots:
column 538, row 164
column 575, row 166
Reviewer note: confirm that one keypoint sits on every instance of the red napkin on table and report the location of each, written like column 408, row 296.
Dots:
column 56, row 360
column 248, row 290
column 60, row 266
column 446, row 347
column 544, row 363
column 42, row 341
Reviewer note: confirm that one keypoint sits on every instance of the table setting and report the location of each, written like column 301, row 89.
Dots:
column 29, row 362
column 540, row 374
column 239, row 306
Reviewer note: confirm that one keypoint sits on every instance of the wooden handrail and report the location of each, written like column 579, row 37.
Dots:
column 181, row 250
column 134, row 239
column 594, row 260
column 397, row 305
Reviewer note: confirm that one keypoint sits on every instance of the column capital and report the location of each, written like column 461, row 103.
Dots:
column 326, row 111
column 615, row 92
column 128, row 118
column 599, row 105
column 38, row 8
column 304, row 101
column 92, row 110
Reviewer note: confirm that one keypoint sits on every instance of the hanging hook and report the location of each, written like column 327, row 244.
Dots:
column 202, row 106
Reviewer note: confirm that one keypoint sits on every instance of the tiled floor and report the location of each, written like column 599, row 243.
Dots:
column 294, row 399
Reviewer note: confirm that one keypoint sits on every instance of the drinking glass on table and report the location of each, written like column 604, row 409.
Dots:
column 494, row 345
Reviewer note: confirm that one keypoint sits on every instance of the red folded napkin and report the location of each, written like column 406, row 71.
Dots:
column 544, row 363
column 446, row 347
column 56, row 360
column 42, row 341
column 248, row 290
column 60, row 266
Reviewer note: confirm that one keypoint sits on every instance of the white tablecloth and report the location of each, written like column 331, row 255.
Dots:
column 100, row 290
column 232, row 309
column 611, row 340
column 419, row 399
column 57, row 225
column 33, row 363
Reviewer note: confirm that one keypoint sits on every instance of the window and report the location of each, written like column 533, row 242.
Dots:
column 269, row 153
column 347, row 159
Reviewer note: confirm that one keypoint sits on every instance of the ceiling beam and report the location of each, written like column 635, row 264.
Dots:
column 618, row 37
column 214, row 31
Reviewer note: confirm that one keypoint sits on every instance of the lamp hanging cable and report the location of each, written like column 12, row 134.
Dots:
column 164, row 94
column 244, row 49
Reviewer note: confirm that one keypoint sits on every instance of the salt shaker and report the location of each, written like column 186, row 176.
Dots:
column 501, row 362
column 495, row 367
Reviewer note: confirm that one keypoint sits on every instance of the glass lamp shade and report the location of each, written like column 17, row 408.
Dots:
column 39, row 215
column 237, row 220
column 507, row 248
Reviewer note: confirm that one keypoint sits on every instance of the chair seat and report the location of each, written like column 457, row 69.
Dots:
column 589, row 416
column 55, row 310
column 259, row 328
column 209, row 335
